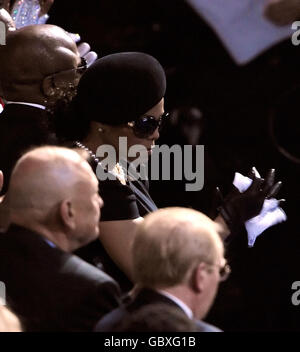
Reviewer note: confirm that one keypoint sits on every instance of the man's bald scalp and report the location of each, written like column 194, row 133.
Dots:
column 33, row 52
column 51, row 171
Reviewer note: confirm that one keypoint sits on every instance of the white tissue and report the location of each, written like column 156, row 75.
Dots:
column 270, row 215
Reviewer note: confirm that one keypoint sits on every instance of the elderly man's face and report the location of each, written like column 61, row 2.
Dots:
column 213, row 283
column 210, row 284
column 87, row 205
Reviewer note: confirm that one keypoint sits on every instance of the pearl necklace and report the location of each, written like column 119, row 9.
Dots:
column 117, row 171
column 92, row 155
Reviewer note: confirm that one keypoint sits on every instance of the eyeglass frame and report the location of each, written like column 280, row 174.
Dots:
column 224, row 270
column 82, row 66
column 131, row 124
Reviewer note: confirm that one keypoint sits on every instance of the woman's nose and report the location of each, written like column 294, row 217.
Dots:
column 155, row 134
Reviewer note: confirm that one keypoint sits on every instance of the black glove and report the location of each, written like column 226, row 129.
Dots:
column 239, row 207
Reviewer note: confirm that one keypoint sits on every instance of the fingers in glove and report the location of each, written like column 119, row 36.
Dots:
column 253, row 173
column 217, row 201
column 219, row 196
column 269, row 182
column 274, row 190
column 255, row 185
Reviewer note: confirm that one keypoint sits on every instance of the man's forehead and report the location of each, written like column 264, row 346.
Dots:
column 89, row 174
column 58, row 39
column 53, row 31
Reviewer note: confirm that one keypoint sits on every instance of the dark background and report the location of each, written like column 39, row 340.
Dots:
column 238, row 105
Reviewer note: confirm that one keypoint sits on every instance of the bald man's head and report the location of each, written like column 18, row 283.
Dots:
column 50, row 171
column 32, row 53
column 55, row 189
column 169, row 243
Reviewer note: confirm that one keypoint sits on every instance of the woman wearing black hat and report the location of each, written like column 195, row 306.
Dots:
column 120, row 95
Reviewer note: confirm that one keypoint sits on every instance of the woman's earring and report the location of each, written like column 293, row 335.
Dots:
column 100, row 129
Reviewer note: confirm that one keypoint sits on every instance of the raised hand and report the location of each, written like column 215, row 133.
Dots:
column 6, row 18
column 84, row 50
column 239, row 207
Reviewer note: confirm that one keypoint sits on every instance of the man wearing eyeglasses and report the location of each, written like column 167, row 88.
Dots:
column 39, row 67
column 178, row 259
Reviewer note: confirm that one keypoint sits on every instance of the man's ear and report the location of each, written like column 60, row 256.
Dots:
column 48, row 86
column 198, row 277
column 67, row 214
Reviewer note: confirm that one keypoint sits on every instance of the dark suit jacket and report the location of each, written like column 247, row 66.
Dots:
column 109, row 322
column 49, row 289
column 21, row 127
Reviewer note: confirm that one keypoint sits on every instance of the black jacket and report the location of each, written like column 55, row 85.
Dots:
column 49, row 289
column 21, row 128
column 145, row 297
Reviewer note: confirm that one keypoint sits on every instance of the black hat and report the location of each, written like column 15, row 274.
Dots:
column 119, row 88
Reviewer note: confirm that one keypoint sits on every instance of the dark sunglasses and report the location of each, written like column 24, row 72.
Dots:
column 80, row 69
column 145, row 126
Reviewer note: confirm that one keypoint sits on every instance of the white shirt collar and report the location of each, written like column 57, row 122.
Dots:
column 179, row 302
column 23, row 103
